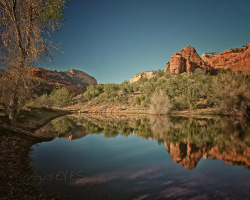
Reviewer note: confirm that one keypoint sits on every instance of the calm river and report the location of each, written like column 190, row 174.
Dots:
column 117, row 157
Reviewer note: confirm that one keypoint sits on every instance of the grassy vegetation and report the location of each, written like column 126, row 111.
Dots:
column 33, row 118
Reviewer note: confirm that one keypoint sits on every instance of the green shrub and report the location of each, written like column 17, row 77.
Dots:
column 61, row 97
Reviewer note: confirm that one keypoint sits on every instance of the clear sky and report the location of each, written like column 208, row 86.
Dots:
column 114, row 39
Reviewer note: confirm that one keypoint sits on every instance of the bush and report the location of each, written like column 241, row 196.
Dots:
column 61, row 97
column 160, row 104
column 93, row 91
column 232, row 93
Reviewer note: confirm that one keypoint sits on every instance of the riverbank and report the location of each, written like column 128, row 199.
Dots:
column 16, row 168
column 16, row 172
column 109, row 108
column 31, row 119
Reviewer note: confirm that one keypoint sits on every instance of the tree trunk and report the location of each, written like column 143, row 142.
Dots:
column 13, row 111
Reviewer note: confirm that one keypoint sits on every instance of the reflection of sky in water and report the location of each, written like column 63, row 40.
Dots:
column 132, row 167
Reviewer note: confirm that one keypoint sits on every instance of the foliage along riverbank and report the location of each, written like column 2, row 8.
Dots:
column 227, row 93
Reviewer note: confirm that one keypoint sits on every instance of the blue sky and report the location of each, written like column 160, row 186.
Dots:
column 114, row 39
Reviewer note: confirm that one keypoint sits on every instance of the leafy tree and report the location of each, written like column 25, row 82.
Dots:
column 25, row 26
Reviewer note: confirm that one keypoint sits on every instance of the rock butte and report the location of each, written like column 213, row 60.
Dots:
column 187, row 60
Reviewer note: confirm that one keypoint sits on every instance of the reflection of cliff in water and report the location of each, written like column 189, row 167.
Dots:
column 186, row 139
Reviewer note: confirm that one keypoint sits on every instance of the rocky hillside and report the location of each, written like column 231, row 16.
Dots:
column 74, row 80
column 235, row 59
column 187, row 60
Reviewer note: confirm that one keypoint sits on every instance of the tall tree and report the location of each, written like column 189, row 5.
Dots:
column 24, row 35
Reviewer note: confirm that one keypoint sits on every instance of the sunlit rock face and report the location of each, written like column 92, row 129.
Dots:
column 148, row 75
column 237, row 59
column 177, row 64
column 187, row 60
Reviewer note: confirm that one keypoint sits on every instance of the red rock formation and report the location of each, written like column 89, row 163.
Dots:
column 187, row 60
column 235, row 59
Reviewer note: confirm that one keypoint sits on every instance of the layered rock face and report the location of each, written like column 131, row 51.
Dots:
column 237, row 59
column 187, row 60
column 74, row 80
column 177, row 64
column 148, row 75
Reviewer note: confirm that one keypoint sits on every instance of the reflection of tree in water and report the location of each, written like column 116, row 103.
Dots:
column 65, row 126
column 62, row 125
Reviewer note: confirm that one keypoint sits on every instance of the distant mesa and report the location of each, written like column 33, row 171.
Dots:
column 74, row 80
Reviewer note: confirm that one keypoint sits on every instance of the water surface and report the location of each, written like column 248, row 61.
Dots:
column 105, row 157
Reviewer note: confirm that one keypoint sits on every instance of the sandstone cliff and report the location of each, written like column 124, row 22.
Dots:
column 187, row 60
column 74, row 80
column 235, row 59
